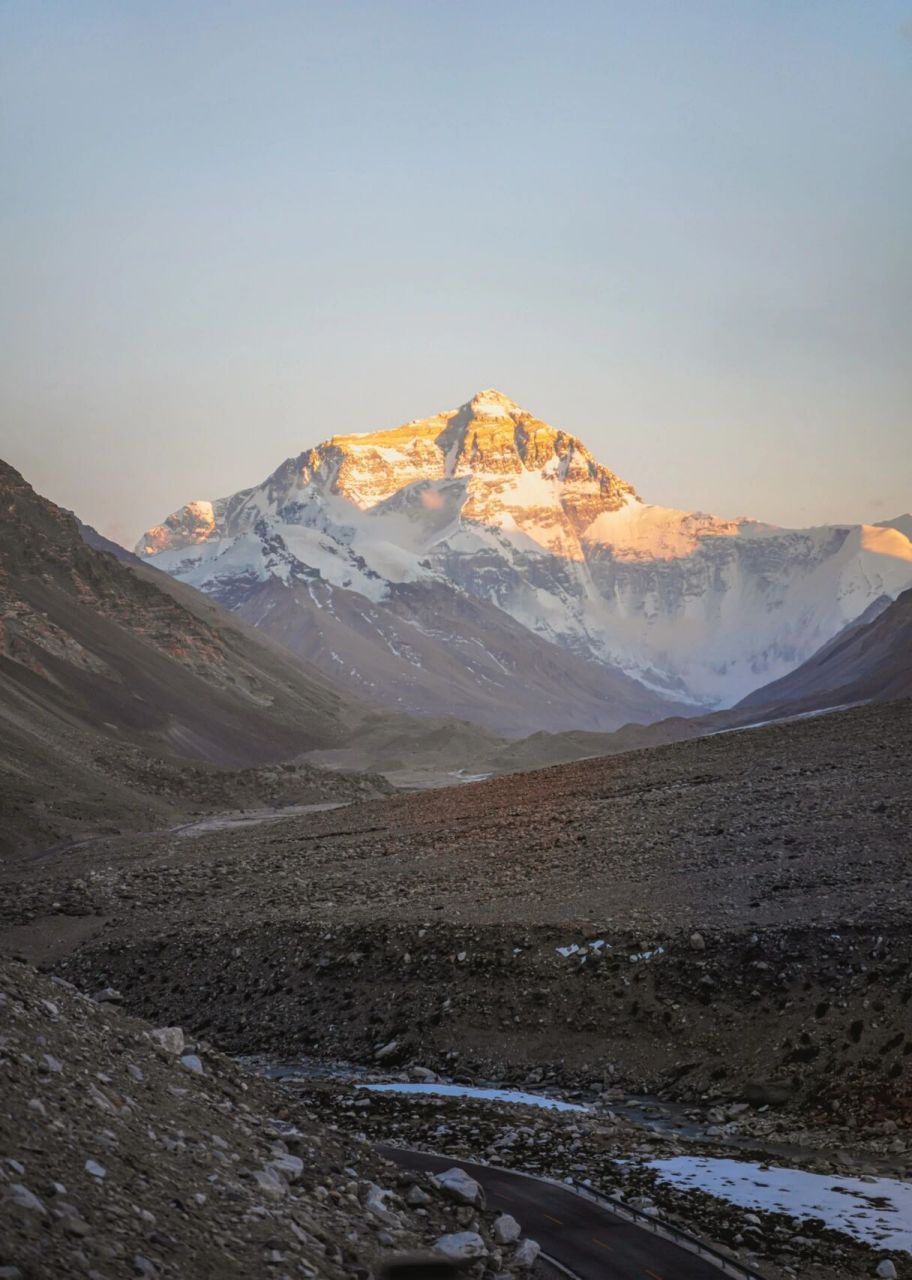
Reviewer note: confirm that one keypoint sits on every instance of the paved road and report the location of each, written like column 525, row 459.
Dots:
column 589, row 1239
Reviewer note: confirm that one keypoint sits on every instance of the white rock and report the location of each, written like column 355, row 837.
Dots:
column 108, row 995
column 461, row 1246
column 387, row 1050
column 271, row 1182
column 289, row 1166
column 459, row 1186
column 506, row 1229
column 171, row 1039
column 886, row 1270
column 95, row 1169
column 526, row 1254
column 192, row 1063
column 375, row 1204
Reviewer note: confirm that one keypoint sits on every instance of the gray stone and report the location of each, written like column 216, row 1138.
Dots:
column 73, row 1225
column 526, row 1254
column 95, row 1169
column 193, row 1063
column 25, row 1199
column 171, row 1039
column 461, row 1246
column 108, row 995
column 271, row 1182
column 457, row 1184
column 886, row 1270
column 506, row 1229
column 375, row 1204
column 289, row 1166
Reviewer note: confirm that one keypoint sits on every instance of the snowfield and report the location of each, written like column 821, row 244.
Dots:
column 877, row 1211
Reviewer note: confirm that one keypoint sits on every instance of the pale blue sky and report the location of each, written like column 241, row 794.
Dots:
column 682, row 231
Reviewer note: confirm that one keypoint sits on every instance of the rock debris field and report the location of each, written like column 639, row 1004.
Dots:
column 128, row 1151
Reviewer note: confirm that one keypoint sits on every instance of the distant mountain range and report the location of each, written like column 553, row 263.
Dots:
column 483, row 563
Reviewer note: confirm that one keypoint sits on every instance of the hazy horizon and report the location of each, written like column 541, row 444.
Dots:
column 680, row 234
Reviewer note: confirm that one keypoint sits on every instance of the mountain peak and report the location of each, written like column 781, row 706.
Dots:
column 492, row 402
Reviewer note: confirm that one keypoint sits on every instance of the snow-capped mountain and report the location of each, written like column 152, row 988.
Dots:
column 483, row 531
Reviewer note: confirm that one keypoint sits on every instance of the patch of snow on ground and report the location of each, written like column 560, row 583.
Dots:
column 573, row 948
column 875, row 1210
column 646, row 955
column 482, row 1095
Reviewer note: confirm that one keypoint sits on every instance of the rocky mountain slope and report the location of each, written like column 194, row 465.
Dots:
column 486, row 517
column 130, row 1151
column 128, row 700
column 105, row 644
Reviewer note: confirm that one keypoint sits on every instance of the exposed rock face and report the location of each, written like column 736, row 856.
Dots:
column 487, row 448
column 492, row 504
column 193, row 523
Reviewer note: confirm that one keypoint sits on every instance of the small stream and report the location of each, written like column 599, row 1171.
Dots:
column 674, row 1120
column 251, row 818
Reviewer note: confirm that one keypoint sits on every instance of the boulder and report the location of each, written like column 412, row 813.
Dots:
column 526, row 1254
column 375, row 1204
column 288, row 1166
column 506, row 1229
column 457, row 1184
column 461, row 1246
column 271, row 1182
column 171, row 1039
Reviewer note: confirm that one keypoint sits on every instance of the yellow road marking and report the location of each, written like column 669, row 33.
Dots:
column 653, row 1275
column 556, row 1221
column 596, row 1240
